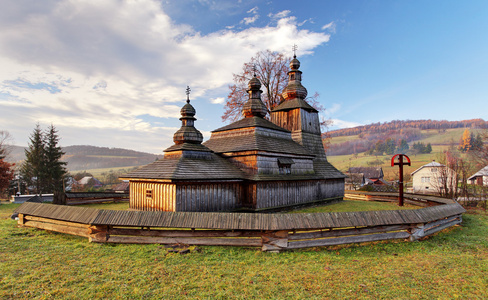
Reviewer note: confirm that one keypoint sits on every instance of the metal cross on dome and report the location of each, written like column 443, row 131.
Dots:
column 294, row 48
column 188, row 94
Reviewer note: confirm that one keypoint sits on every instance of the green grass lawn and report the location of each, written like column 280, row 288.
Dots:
column 45, row 265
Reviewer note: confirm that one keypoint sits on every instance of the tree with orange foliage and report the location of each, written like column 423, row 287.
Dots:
column 465, row 143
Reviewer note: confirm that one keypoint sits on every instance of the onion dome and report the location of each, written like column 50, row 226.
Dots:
column 254, row 107
column 294, row 89
column 294, row 63
column 188, row 133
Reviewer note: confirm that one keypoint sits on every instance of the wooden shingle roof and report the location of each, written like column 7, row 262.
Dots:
column 257, row 142
column 251, row 122
column 239, row 221
column 292, row 104
column 326, row 169
column 211, row 167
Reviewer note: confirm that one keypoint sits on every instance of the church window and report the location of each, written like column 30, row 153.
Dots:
column 284, row 165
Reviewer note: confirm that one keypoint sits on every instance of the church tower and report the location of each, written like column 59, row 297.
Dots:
column 297, row 116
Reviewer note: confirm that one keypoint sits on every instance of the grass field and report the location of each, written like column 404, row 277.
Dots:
column 44, row 265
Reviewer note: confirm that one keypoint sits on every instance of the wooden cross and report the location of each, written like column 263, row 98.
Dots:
column 400, row 164
column 188, row 94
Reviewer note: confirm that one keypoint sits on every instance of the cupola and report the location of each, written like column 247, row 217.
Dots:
column 188, row 133
column 254, row 107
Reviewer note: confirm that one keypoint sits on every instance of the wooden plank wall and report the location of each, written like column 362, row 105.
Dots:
column 163, row 196
column 209, row 197
column 271, row 232
column 288, row 193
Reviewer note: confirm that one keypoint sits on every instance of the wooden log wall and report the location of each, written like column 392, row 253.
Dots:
column 271, row 232
column 274, row 194
column 209, row 197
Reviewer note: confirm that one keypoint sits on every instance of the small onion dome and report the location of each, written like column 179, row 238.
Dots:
column 188, row 134
column 254, row 107
column 294, row 90
column 188, row 110
column 254, row 83
column 294, row 63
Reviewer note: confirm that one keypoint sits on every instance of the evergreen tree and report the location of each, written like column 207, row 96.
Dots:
column 42, row 167
column 389, row 146
column 55, row 169
column 428, row 148
column 33, row 169
column 403, row 147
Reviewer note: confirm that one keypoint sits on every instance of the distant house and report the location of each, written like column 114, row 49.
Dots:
column 433, row 177
column 371, row 175
column 90, row 181
column 122, row 187
column 480, row 177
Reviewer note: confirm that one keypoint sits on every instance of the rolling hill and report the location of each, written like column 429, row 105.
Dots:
column 348, row 147
column 85, row 157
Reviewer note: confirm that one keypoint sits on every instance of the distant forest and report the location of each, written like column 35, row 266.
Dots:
column 379, row 138
column 378, row 128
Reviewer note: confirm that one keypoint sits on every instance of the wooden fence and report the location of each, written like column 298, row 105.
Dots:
column 271, row 232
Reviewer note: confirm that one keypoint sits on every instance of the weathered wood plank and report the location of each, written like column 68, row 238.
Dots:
column 252, row 242
column 347, row 240
column 183, row 233
column 346, row 232
column 59, row 228
column 52, row 221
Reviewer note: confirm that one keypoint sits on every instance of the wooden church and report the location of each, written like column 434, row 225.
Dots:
column 251, row 164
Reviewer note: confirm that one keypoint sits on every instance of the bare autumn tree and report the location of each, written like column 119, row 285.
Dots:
column 271, row 68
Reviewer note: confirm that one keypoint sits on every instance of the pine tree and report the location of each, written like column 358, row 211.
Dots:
column 33, row 169
column 55, row 169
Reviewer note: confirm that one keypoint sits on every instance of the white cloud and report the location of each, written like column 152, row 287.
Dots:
column 219, row 100
column 333, row 109
column 253, row 10
column 336, row 123
column 98, row 70
column 331, row 27
column 279, row 15
column 250, row 20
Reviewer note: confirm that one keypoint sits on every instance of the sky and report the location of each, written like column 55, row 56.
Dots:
column 113, row 73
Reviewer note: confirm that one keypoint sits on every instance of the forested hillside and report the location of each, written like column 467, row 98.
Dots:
column 397, row 125
column 84, row 157
column 400, row 136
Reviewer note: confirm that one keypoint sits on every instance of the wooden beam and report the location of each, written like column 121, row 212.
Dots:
column 346, row 232
column 59, row 228
column 187, row 241
column 52, row 221
column 183, row 233
column 348, row 240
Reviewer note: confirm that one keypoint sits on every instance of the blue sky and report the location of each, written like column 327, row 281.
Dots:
column 113, row 73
